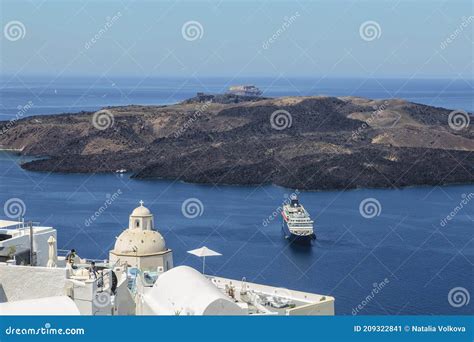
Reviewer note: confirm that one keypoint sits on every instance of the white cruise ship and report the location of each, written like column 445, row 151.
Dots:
column 296, row 222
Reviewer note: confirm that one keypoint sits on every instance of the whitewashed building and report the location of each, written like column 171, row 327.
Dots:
column 140, row 245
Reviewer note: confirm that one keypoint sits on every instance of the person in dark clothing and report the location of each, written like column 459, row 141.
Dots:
column 93, row 270
column 94, row 274
column 70, row 256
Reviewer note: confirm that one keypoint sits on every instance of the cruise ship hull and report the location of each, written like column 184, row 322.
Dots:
column 289, row 235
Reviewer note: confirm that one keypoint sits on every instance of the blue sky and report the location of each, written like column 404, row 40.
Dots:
column 320, row 38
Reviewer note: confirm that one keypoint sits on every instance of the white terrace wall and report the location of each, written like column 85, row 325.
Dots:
column 24, row 282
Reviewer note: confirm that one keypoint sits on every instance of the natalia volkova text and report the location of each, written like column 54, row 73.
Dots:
column 437, row 328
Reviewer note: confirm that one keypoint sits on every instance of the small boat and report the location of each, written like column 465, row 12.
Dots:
column 121, row 171
column 296, row 223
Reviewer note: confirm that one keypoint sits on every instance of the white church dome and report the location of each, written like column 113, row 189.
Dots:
column 141, row 211
column 138, row 242
column 140, row 239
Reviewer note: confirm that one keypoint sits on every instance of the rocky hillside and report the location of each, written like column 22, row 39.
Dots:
column 299, row 142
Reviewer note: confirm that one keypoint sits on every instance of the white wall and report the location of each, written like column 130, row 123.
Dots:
column 90, row 299
column 25, row 282
column 61, row 305
column 124, row 303
column 324, row 308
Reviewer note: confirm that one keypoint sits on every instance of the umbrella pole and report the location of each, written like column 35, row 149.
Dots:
column 203, row 264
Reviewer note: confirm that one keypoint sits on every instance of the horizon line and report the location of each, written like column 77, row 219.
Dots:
column 316, row 77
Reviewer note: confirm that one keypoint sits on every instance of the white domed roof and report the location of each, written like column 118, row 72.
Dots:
column 138, row 242
column 141, row 211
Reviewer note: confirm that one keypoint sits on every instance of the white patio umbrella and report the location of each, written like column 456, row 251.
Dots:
column 52, row 255
column 203, row 252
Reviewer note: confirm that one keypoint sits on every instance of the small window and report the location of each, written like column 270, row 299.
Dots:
column 137, row 223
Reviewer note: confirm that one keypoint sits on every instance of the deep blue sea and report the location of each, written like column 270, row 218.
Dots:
column 421, row 259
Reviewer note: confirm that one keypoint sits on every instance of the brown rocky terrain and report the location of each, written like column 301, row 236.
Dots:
column 332, row 143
